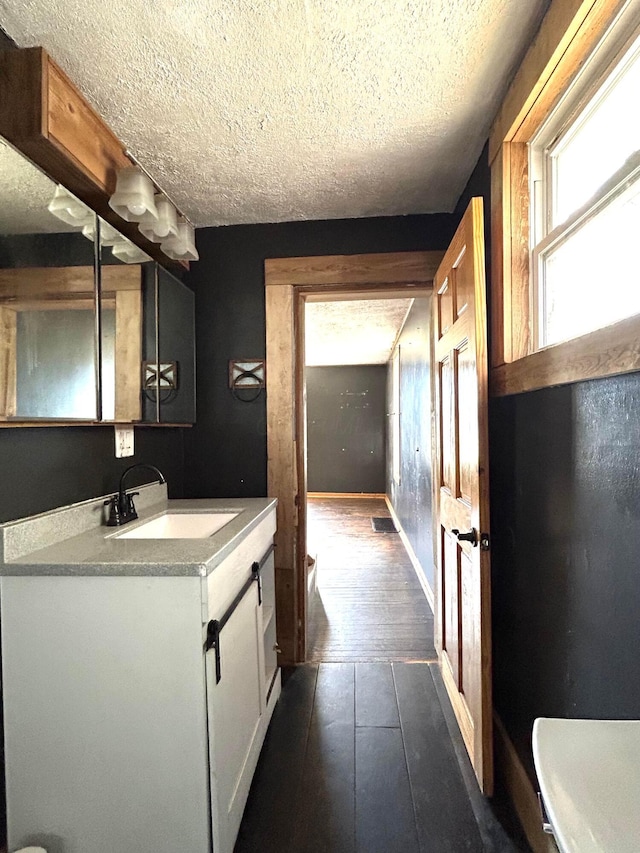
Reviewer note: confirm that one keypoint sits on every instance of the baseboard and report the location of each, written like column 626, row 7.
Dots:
column 312, row 578
column 350, row 495
column 424, row 583
column 519, row 789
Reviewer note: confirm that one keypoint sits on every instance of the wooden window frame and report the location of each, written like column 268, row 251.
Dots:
column 569, row 32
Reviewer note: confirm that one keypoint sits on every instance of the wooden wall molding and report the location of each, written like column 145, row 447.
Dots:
column 289, row 282
column 510, row 770
column 28, row 283
column 569, row 32
column 610, row 351
column 72, row 288
column 386, row 268
column 45, row 117
column 415, row 562
column 348, row 495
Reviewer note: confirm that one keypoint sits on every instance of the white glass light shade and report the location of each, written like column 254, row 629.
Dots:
column 163, row 226
column 182, row 247
column 69, row 209
column 108, row 235
column 127, row 252
column 133, row 197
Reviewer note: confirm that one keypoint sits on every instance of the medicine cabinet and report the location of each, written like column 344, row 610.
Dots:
column 84, row 336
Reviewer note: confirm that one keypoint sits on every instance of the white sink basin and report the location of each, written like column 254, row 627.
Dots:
column 180, row 525
column 589, row 775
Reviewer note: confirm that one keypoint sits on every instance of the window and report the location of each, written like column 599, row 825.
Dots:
column 584, row 167
column 564, row 152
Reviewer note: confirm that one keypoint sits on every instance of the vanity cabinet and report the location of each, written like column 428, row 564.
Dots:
column 240, row 685
column 124, row 728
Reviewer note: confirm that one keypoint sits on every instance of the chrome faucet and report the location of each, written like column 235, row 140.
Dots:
column 121, row 506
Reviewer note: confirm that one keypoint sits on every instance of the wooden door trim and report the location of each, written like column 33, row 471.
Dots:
column 289, row 282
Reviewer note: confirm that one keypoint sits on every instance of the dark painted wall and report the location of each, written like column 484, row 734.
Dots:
column 226, row 452
column 411, row 498
column 176, row 342
column 45, row 467
column 346, row 416
column 565, row 507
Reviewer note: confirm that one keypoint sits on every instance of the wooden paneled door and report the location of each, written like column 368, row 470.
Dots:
column 461, row 485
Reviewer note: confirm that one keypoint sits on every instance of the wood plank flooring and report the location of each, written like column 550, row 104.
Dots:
column 369, row 605
column 363, row 754
column 359, row 759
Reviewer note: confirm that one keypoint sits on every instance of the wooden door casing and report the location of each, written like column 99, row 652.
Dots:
column 461, row 487
column 333, row 277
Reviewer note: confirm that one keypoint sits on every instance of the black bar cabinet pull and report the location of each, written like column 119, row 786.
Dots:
column 213, row 642
column 216, row 625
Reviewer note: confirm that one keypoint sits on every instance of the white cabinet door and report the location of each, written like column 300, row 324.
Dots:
column 235, row 717
column 269, row 624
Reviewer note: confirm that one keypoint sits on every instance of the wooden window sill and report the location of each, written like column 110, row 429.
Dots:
column 605, row 352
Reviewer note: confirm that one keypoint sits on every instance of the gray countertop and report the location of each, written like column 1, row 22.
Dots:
column 30, row 546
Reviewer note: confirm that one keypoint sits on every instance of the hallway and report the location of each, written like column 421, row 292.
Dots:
column 369, row 605
column 363, row 754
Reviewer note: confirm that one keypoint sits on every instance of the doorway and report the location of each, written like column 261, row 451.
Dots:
column 290, row 283
column 460, row 394
column 365, row 598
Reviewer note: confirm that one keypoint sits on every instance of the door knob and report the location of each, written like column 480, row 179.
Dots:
column 471, row 536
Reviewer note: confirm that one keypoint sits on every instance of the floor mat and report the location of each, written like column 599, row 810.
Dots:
column 383, row 525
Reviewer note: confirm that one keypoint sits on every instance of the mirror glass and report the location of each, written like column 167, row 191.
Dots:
column 128, row 326
column 47, row 305
column 148, row 348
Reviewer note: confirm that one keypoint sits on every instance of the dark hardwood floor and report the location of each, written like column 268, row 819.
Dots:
column 365, row 758
column 369, row 605
column 363, row 754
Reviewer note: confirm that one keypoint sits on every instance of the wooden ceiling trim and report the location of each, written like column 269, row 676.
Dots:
column 47, row 119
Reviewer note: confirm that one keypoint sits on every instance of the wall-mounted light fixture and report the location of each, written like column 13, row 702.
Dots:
column 66, row 207
column 160, row 379
column 181, row 246
column 133, row 199
column 138, row 198
column 247, row 375
column 164, row 225
column 127, row 252
column 163, row 375
column 108, row 235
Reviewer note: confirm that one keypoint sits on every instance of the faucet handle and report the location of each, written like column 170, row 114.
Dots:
column 114, row 511
column 131, row 509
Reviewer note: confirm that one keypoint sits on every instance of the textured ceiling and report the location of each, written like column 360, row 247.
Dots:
column 24, row 195
column 273, row 110
column 361, row 332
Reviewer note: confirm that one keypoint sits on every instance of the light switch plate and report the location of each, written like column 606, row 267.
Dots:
column 124, row 441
